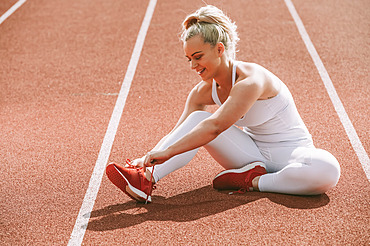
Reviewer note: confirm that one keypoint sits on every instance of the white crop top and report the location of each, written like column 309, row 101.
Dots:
column 274, row 120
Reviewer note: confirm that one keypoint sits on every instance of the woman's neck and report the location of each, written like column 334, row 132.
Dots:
column 223, row 76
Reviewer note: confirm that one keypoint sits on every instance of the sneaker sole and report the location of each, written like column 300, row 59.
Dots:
column 243, row 169
column 237, row 171
column 115, row 176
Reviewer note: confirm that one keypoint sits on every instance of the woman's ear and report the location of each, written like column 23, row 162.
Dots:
column 220, row 49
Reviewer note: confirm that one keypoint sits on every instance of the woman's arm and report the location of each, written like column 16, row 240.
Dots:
column 242, row 96
column 195, row 101
column 198, row 98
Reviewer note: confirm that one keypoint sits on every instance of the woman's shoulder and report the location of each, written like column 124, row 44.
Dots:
column 256, row 74
column 248, row 69
column 203, row 87
column 203, row 92
column 250, row 72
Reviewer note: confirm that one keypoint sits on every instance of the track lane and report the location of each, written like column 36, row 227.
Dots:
column 104, row 153
column 342, row 37
column 333, row 95
column 62, row 63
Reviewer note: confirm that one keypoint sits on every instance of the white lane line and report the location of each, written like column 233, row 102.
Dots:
column 11, row 10
column 95, row 180
column 346, row 122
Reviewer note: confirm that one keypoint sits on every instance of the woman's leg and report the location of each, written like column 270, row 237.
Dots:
column 232, row 148
column 310, row 171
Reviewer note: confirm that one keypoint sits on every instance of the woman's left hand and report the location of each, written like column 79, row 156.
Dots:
column 153, row 158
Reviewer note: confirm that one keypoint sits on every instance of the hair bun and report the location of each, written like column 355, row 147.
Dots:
column 191, row 20
column 214, row 26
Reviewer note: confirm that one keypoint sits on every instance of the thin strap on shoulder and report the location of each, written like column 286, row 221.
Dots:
column 215, row 98
column 234, row 73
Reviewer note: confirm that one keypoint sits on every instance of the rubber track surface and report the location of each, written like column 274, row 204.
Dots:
column 61, row 68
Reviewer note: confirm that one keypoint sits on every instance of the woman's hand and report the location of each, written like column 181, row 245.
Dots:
column 153, row 158
column 137, row 163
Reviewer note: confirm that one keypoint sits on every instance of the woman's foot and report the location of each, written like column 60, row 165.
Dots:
column 131, row 181
column 242, row 179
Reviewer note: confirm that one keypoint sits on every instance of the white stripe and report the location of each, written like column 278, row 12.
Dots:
column 11, row 10
column 95, row 181
column 346, row 122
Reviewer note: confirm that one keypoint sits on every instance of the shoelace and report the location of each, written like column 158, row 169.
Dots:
column 128, row 162
column 152, row 187
column 242, row 190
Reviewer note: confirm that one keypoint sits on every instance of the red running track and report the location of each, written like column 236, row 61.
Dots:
column 62, row 66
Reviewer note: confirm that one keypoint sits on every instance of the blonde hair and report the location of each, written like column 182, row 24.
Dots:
column 214, row 26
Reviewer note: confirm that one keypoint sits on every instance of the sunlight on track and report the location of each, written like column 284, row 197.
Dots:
column 11, row 10
column 95, row 180
column 339, row 108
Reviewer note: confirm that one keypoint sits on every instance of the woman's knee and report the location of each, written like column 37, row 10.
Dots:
column 191, row 121
column 328, row 170
column 198, row 116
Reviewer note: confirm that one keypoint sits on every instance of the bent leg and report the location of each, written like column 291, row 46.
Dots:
column 232, row 149
column 181, row 160
column 310, row 171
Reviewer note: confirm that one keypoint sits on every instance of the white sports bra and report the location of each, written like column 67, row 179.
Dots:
column 274, row 120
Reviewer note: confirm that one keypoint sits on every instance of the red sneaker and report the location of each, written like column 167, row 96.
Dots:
column 131, row 180
column 239, row 179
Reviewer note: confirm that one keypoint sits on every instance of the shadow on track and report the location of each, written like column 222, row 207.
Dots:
column 190, row 206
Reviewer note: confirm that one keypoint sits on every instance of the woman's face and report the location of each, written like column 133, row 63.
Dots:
column 203, row 57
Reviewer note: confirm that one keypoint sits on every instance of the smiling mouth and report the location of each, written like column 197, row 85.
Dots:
column 201, row 71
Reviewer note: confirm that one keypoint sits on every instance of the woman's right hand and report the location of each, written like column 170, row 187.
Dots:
column 137, row 162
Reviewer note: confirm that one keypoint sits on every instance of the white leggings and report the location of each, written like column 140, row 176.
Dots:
column 291, row 170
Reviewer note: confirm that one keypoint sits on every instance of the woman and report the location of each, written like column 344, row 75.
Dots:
column 274, row 151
